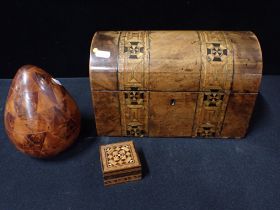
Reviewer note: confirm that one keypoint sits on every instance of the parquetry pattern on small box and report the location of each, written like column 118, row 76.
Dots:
column 118, row 155
column 120, row 163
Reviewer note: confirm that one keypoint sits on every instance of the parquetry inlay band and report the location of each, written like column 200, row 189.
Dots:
column 133, row 74
column 133, row 63
column 215, row 86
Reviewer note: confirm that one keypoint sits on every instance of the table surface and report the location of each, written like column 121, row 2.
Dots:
column 180, row 173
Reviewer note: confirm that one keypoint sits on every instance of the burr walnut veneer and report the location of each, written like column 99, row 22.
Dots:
column 174, row 83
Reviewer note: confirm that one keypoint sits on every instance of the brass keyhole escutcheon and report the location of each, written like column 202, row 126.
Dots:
column 172, row 102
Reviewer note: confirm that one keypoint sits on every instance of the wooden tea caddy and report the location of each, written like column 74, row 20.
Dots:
column 174, row 83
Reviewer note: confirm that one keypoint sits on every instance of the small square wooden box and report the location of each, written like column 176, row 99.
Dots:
column 120, row 163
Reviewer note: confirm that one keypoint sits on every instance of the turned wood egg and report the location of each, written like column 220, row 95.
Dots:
column 41, row 118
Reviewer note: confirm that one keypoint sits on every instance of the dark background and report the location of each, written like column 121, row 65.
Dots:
column 56, row 35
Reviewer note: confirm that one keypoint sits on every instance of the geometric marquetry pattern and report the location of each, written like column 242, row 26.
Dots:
column 215, row 83
column 213, row 98
column 216, row 52
column 206, row 130
column 118, row 155
column 134, row 97
column 120, row 163
column 133, row 60
column 41, row 118
column 133, row 73
column 134, row 113
column 134, row 49
column 135, row 129
column 134, row 101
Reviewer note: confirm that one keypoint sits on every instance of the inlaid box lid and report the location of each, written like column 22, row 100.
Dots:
column 118, row 157
column 176, row 61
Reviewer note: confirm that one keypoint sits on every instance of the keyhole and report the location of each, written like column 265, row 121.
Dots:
column 172, row 102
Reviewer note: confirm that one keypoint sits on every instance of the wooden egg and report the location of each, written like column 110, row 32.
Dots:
column 41, row 118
